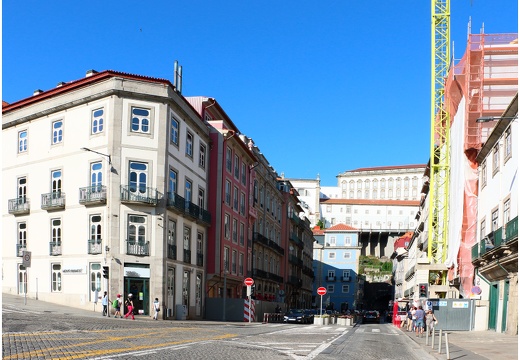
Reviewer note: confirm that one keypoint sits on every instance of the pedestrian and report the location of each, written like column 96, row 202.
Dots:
column 129, row 303
column 431, row 321
column 156, row 308
column 104, row 302
column 409, row 320
column 419, row 323
column 118, row 306
column 414, row 319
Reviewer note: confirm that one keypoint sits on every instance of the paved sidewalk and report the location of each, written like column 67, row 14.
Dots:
column 471, row 345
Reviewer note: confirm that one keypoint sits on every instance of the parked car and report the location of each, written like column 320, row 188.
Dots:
column 295, row 316
column 309, row 316
column 371, row 316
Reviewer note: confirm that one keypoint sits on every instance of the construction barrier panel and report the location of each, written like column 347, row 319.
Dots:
column 249, row 311
column 272, row 318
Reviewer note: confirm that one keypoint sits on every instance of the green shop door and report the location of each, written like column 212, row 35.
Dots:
column 139, row 288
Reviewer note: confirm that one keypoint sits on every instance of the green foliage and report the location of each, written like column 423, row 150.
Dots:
column 320, row 224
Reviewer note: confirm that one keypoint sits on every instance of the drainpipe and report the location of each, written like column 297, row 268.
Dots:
column 483, row 278
column 498, row 263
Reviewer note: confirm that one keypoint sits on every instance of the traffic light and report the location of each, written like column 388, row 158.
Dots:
column 423, row 290
column 105, row 272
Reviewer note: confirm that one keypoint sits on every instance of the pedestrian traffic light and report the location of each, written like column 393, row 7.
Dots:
column 423, row 290
column 105, row 272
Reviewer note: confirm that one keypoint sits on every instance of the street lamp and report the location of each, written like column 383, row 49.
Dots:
column 107, row 156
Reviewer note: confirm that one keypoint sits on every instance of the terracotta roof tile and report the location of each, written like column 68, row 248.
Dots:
column 341, row 227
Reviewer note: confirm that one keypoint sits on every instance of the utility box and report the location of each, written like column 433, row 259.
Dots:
column 181, row 312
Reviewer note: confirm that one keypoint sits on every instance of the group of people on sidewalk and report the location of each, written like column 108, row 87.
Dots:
column 420, row 320
column 117, row 304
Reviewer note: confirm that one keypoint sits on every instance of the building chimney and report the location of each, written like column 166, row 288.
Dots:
column 37, row 92
column 91, row 72
column 60, row 84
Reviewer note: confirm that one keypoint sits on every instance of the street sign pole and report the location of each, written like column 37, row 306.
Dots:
column 249, row 290
column 249, row 282
column 321, row 305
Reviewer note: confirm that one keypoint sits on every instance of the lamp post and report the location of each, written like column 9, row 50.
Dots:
column 484, row 119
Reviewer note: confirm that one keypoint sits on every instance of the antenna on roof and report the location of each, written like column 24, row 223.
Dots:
column 177, row 76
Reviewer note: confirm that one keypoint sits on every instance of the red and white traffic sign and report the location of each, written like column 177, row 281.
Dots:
column 321, row 291
column 249, row 282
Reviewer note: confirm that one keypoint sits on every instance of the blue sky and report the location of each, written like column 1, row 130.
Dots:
column 321, row 86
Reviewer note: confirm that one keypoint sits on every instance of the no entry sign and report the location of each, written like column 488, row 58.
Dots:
column 321, row 291
column 249, row 282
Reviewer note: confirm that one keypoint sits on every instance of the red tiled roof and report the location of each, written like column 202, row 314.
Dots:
column 76, row 84
column 341, row 227
column 318, row 232
column 378, row 168
column 370, row 202
column 4, row 103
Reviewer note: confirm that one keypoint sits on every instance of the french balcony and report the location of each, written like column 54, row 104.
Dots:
column 19, row 206
column 53, row 201
column 330, row 278
column 496, row 244
column 55, row 248
column 142, row 195
column 137, row 248
column 187, row 256
column 345, row 278
column 92, row 195
column 94, row 246
column 200, row 259
column 20, row 248
column 172, row 251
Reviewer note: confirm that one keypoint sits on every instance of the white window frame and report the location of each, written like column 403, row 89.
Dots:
column 57, row 132
column 332, row 255
column 347, row 255
column 189, row 144
column 345, row 289
column 144, row 123
column 97, row 121
column 23, row 137
column 56, row 277
column 174, row 131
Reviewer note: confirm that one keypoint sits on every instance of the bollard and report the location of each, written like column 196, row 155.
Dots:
column 433, row 339
column 447, row 347
column 427, row 335
column 440, row 341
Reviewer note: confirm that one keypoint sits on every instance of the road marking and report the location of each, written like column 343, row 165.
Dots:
column 376, row 330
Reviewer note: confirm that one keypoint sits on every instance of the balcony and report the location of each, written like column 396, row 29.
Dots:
column 53, row 201
column 19, row 206
column 276, row 247
column 257, row 273
column 180, row 205
column 94, row 246
column 187, row 256
column 296, row 219
column 330, row 278
column 55, row 248
column 92, row 195
column 496, row 244
column 295, row 260
column 172, row 251
column 136, row 248
column 294, row 281
column 308, row 271
column 259, row 238
column 143, row 195
column 345, row 278
column 20, row 248
column 200, row 259
column 294, row 237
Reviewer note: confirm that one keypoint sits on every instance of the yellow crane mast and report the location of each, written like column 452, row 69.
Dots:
column 440, row 134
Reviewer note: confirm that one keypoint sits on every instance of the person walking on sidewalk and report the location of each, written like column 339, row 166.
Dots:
column 419, row 323
column 118, row 306
column 129, row 303
column 104, row 302
column 431, row 321
column 156, row 308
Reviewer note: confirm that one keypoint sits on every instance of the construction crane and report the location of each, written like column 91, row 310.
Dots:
column 440, row 134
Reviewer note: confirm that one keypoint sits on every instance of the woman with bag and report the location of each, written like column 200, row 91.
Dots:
column 431, row 321
column 156, row 308
column 129, row 303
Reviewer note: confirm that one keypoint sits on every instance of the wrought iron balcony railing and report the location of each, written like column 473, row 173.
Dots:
column 93, row 195
column 137, row 248
column 294, row 237
column 55, row 248
column 94, row 246
column 144, row 195
column 20, row 248
column 330, row 278
column 177, row 203
column 294, row 281
column 172, row 251
column 53, row 201
column 295, row 260
column 200, row 259
column 19, row 206
column 187, row 256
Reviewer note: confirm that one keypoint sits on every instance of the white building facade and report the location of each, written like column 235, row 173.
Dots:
column 106, row 175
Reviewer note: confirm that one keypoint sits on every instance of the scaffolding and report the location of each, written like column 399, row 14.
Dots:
column 487, row 79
